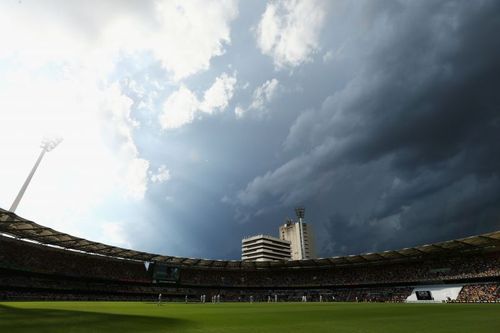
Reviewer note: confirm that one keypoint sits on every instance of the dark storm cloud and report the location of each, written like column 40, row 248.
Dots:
column 391, row 141
column 421, row 114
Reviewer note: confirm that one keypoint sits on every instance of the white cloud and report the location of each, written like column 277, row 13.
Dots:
column 264, row 94
column 162, row 175
column 119, row 125
column 328, row 56
column 260, row 97
column 219, row 94
column 179, row 109
column 192, row 32
column 239, row 111
column 183, row 35
column 136, row 178
column 289, row 31
column 183, row 107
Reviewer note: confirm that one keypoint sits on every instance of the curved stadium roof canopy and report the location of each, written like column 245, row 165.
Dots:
column 16, row 226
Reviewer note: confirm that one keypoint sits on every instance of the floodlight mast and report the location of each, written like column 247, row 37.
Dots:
column 46, row 145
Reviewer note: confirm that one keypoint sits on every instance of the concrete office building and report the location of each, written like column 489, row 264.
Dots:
column 263, row 247
column 301, row 237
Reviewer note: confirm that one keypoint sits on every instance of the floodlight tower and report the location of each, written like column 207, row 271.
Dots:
column 46, row 145
column 300, row 212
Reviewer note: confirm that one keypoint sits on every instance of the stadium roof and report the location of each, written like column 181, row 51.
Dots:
column 16, row 226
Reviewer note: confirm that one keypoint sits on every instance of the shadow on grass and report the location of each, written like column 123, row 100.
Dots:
column 14, row 319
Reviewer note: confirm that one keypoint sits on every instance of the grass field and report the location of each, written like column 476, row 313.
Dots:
column 73, row 317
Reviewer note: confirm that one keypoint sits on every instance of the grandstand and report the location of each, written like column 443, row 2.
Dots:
column 40, row 263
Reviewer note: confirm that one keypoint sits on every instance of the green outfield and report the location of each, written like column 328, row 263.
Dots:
column 125, row 317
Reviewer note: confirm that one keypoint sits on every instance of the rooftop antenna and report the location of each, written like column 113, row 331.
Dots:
column 46, row 145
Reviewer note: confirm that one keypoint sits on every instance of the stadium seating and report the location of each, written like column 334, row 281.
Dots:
column 479, row 293
column 29, row 270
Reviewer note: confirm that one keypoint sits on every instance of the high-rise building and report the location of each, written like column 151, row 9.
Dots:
column 300, row 235
column 263, row 247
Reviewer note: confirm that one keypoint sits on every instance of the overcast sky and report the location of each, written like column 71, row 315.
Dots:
column 190, row 124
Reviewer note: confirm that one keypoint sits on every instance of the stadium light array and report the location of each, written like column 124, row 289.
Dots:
column 47, row 145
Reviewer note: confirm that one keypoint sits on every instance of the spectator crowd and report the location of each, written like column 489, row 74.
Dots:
column 30, row 270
